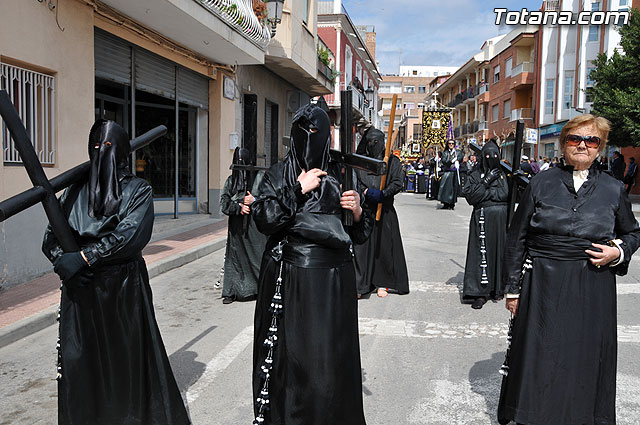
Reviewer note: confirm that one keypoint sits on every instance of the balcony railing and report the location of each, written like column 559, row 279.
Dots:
column 522, row 114
column 523, row 67
column 239, row 14
column 482, row 88
column 483, row 125
column 359, row 101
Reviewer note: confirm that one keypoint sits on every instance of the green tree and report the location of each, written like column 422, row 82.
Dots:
column 616, row 90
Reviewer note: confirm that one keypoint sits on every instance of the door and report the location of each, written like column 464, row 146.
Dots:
column 250, row 127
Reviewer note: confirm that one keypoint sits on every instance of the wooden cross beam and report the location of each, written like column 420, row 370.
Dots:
column 44, row 190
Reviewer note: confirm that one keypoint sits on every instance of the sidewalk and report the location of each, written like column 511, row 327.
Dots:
column 32, row 306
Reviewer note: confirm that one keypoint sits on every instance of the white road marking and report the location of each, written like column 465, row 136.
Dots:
column 476, row 401
column 419, row 329
column 220, row 362
column 456, row 287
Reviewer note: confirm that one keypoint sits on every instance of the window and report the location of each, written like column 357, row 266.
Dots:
column 507, row 108
column 305, row 11
column 588, row 97
column 624, row 3
column 507, row 67
column 33, row 95
column 417, row 132
column 420, row 105
column 422, row 89
column 409, row 89
column 595, row 6
column 594, row 33
column 386, row 104
column 348, row 65
column 415, row 72
column 410, row 106
column 548, row 98
column 494, row 113
column 496, row 74
column 359, row 72
column 567, row 100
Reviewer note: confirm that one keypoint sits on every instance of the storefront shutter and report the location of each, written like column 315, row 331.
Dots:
column 155, row 75
column 112, row 58
column 193, row 89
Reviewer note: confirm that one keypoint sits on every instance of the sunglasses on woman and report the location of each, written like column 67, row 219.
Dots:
column 592, row 142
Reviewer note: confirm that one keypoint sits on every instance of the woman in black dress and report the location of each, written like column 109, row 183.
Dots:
column 573, row 232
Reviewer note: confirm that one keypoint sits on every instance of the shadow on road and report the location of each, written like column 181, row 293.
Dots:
column 485, row 380
column 183, row 362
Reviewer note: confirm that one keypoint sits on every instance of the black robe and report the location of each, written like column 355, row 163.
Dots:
column 448, row 190
column 114, row 366
column 316, row 376
column 489, row 206
column 380, row 261
column 243, row 252
column 562, row 362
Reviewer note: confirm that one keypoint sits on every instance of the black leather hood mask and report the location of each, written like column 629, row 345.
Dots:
column 239, row 178
column 109, row 149
column 372, row 145
column 311, row 138
column 491, row 150
column 310, row 150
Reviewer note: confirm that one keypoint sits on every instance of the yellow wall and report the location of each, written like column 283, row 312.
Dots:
column 29, row 34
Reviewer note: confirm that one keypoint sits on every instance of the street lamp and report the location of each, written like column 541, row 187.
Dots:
column 274, row 14
column 369, row 95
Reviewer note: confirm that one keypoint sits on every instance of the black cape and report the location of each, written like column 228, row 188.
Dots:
column 113, row 362
column 487, row 231
column 448, row 190
column 243, row 251
column 316, row 375
column 562, row 362
column 380, row 261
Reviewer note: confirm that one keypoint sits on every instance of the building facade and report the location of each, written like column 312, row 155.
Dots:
column 142, row 64
column 355, row 66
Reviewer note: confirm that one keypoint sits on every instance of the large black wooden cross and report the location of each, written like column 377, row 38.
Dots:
column 517, row 180
column 44, row 190
column 345, row 155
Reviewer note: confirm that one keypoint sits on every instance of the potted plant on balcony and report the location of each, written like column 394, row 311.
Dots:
column 260, row 9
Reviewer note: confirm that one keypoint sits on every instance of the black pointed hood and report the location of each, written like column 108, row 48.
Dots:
column 490, row 156
column 109, row 149
column 239, row 178
column 311, row 138
column 372, row 144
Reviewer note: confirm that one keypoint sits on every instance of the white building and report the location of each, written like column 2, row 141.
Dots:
column 426, row 71
column 567, row 57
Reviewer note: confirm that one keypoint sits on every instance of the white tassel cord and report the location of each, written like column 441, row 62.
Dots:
column 484, row 280
column 271, row 341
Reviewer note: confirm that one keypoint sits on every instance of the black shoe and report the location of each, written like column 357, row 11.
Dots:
column 227, row 300
column 478, row 303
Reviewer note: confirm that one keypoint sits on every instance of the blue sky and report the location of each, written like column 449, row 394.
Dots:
column 430, row 32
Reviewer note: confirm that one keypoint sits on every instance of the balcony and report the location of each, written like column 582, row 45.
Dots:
column 522, row 114
column 482, row 92
column 483, row 125
column 468, row 94
column 225, row 31
column 523, row 75
column 359, row 103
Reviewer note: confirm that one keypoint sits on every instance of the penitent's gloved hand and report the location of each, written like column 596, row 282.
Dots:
column 68, row 266
column 374, row 195
column 492, row 175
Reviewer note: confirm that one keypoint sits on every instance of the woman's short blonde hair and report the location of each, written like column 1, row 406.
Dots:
column 601, row 124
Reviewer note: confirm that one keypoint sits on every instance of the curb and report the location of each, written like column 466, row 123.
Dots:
column 47, row 317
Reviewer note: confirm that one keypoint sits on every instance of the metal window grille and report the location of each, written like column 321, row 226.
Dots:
column 33, row 95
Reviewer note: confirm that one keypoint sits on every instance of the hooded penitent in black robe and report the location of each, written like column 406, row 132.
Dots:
column 244, row 248
column 113, row 367
column 448, row 191
column 380, row 261
column 488, row 193
column 562, row 361
column 306, row 351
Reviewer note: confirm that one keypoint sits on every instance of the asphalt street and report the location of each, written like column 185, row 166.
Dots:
column 426, row 358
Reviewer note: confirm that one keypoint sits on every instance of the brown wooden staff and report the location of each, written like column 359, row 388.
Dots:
column 390, row 139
